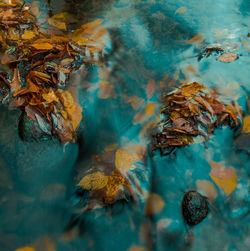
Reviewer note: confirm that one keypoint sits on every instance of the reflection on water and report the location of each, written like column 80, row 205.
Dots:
column 156, row 45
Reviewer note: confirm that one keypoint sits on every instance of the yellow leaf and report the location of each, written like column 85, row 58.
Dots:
column 94, row 181
column 154, row 204
column 225, row 178
column 50, row 96
column 27, row 248
column 150, row 109
column 57, row 23
column 42, row 46
column 123, row 160
column 197, row 39
column 13, row 34
column 181, row 10
column 246, row 124
column 28, row 34
column 207, row 188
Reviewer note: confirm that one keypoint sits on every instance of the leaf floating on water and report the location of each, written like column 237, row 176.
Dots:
column 94, row 181
column 246, row 124
column 197, row 39
column 181, row 10
column 228, row 57
column 154, row 204
column 124, row 160
column 27, row 248
column 225, row 178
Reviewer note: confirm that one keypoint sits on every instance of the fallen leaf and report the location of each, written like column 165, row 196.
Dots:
column 225, row 178
column 150, row 89
column 28, row 34
column 42, row 46
column 124, row 160
column 207, row 188
column 181, row 10
column 57, row 22
column 27, row 248
column 246, row 124
column 94, row 181
column 150, row 109
column 15, row 83
column 154, row 204
column 227, row 57
column 197, row 39
column 137, row 248
column 49, row 96
column 106, row 90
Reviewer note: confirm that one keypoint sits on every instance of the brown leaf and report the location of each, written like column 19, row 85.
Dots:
column 16, row 83
column 197, row 39
column 154, row 204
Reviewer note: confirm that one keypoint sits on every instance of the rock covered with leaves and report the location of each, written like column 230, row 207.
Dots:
column 189, row 111
column 37, row 64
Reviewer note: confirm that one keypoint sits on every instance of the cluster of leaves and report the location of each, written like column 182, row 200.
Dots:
column 192, row 110
column 38, row 65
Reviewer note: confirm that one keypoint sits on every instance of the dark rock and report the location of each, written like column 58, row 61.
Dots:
column 194, row 208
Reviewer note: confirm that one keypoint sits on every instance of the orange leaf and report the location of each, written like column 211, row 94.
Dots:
column 42, row 46
column 225, row 178
column 197, row 39
column 27, row 248
column 28, row 34
column 181, row 10
column 150, row 109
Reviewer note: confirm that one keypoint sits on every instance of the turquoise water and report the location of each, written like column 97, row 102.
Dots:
column 148, row 42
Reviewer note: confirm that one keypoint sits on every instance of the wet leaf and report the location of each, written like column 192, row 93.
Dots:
column 181, row 10
column 28, row 34
column 207, row 188
column 27, row 248
column 150, row 109
column 58, row 21
column 94, row 181
column 225, row 178
column 246, row 124
column 197, row 39
column 150, row 89
column 228, row 57
column 154, row 204
column 42, row 46
column 124, row 160
column 16, row 83
column 49, row 96
column 106, row 90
